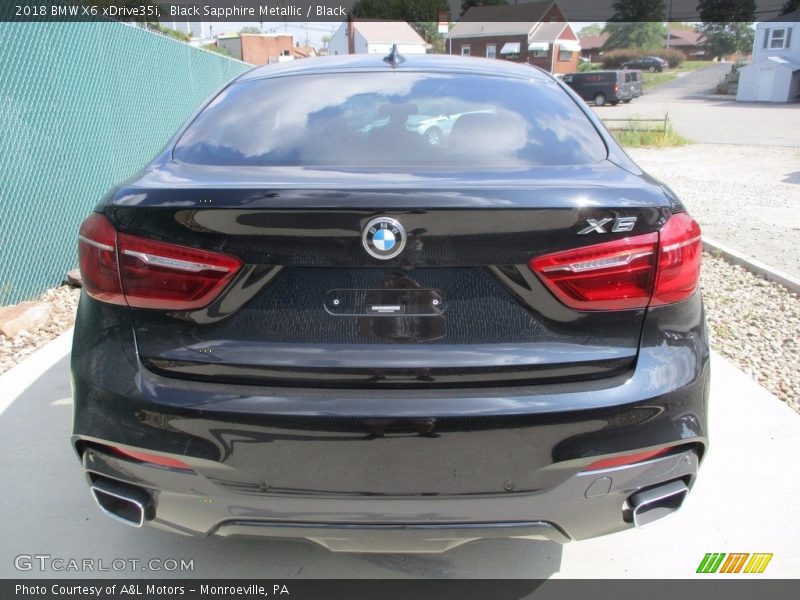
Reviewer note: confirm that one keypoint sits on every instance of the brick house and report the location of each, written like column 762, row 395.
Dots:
column 258, row 48
column 536, row 33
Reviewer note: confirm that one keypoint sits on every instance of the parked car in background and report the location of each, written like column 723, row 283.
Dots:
column 437, row 129
column 292, row 327
column 652, row 64
column 600, row 87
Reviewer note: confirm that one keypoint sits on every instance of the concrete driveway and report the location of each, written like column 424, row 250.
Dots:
column 703, row 117
column 745, row 501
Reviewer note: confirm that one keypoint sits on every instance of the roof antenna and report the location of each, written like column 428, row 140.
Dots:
column 394, row 57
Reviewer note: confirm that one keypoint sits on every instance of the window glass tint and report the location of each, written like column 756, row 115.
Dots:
column 391, row 120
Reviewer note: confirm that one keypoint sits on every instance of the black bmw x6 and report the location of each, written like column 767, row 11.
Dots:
column 303, row 319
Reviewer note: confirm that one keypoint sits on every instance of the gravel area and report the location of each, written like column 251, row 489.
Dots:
column 756, row 324
column 746, row 197
column 63, row 303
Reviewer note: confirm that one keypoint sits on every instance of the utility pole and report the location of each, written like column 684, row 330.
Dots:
column 669, row 22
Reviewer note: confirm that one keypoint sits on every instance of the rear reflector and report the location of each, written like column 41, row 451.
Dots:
column 125, row 269
column 628, row 459
column 651, row 269
column 154, row 459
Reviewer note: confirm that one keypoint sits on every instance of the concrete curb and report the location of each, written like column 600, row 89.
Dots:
column 737, row 258
column 17, row 379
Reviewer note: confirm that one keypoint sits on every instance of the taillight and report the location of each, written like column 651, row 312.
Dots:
column 650, row 269
column 680, row 253
column 143, row 273
column 97, row 258
column 611, row 276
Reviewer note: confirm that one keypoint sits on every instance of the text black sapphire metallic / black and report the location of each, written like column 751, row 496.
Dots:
column 431, row 302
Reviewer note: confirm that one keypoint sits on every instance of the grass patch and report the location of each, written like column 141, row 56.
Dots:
column 650, row 138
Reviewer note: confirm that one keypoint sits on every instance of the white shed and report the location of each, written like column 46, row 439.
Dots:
column 774, row 74
column 772, row 79
column 377, row 37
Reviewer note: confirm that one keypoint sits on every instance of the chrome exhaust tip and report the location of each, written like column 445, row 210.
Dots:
column 122, row 502
column 657, row 502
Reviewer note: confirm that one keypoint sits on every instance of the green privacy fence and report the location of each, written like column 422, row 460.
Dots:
column 82, row 106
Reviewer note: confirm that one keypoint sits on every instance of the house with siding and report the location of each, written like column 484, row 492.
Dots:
column 774, row 74
column 375, row 37
column 536, row 33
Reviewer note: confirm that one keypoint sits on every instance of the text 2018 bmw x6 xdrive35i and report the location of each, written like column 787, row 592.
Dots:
column 303, row 319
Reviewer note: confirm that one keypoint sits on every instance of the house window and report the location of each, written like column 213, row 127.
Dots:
column 491, row 51
column 539, row 54
column 564, row 55
column 778, row 38
column 465, row 50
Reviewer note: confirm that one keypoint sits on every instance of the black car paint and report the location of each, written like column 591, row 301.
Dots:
column 270, row 449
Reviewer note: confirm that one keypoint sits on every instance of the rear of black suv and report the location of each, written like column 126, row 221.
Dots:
column 303, row 320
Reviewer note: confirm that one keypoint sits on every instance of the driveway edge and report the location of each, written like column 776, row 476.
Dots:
column 714, row 248
column 17, row 379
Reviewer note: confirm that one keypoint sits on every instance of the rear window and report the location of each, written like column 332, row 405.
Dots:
column 391, row 120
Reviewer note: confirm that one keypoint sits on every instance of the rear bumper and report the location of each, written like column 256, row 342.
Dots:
column 587, row 504
column 394, row 470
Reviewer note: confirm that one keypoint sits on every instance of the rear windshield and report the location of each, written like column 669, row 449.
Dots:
column 391, row 120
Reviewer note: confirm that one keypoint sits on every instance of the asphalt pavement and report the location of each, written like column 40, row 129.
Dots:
column 700, row 115
column 745, row 500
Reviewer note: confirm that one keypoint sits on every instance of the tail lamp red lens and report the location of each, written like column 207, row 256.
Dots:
column 651, row 269
column 125, row 269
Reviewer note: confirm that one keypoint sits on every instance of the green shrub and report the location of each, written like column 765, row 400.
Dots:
column 674, row 57
column 217, row 49
column 173, row 33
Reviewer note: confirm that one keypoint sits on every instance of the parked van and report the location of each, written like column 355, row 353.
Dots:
column 633, row 79
column 600, row 87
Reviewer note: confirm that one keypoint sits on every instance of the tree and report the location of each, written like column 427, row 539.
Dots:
column 467, row 4
column 724, row 39
column 727, row 26
column 726, row 11
column 644, row 36
column 249, row 29
column 326, row 39
column 790, row 6
column 636, row 24
column 593, row 29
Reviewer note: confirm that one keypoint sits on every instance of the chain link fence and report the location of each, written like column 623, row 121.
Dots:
column 82, row 106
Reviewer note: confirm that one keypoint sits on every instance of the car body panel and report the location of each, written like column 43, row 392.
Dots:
column 479, row 410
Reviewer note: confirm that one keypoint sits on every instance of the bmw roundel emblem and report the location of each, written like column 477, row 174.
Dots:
column 384, row 238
